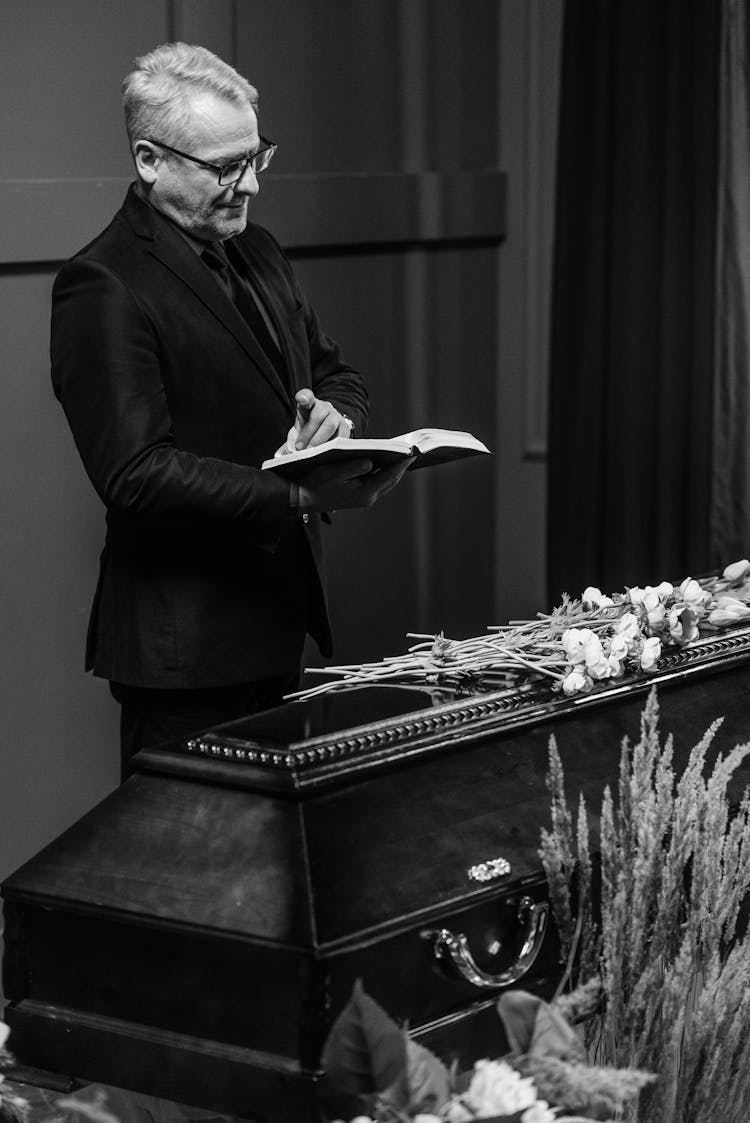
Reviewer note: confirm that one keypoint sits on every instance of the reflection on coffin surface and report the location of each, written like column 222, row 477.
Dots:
column 195, row 935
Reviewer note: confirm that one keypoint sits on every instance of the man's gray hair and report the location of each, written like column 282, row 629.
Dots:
column 157, row 93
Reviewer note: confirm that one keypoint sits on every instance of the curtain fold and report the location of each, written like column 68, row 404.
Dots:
column 730, row 496
column 632, row 343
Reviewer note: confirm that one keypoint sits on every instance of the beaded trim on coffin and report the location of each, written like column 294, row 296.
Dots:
column 532, row 699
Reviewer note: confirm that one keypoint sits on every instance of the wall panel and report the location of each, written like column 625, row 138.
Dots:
column 328, row 80
column 62, row 64
column 59, row 725
column 213, row 25
column 462, row 83
column 63, row 163
column 528, row 52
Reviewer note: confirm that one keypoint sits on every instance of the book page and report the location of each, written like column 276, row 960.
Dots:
column 342, row 448
column 427, row 439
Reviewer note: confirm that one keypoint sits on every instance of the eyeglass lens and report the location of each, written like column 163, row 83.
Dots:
column 230, row 173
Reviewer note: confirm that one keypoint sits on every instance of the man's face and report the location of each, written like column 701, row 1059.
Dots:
column 191, row 195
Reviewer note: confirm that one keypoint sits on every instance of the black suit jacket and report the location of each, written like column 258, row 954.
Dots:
column 206, row 577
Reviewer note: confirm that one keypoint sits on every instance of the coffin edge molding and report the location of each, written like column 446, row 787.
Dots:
column 217, row 1073
column 307, row 765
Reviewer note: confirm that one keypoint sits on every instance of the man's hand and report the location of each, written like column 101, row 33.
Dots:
column 317, row 421
column 350, row 484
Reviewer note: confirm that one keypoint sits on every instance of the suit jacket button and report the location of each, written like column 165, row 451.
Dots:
column 305, row 518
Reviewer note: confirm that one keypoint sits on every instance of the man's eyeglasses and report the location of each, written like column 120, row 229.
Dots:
column 230, row 173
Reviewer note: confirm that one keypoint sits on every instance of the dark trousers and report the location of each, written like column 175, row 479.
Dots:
column 152, row 716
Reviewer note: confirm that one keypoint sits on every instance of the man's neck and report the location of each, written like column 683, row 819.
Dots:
column 195, row 243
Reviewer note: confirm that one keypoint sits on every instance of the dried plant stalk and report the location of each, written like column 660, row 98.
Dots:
column 674, row 975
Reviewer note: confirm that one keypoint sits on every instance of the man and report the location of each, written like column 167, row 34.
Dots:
column 184, row 352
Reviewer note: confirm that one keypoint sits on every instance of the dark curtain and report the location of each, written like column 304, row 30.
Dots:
column 730, row 505
column 630, row 440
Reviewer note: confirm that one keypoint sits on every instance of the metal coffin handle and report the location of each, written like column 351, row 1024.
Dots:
column 455, row 948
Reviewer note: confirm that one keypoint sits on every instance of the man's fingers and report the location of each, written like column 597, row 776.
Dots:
column 391, row 476
column 340, row 471
column 305, row 398
column 351, row 483
column 320, row 429
column 320, row 425
column 360, row 466
column 383, row 481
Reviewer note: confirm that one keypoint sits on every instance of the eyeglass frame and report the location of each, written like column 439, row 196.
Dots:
column 246, row 161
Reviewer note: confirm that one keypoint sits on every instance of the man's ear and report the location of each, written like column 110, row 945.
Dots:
column 147, row 159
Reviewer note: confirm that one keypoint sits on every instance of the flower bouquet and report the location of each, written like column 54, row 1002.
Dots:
column 13, row 1108
column 373, row 1066
column 579, row 645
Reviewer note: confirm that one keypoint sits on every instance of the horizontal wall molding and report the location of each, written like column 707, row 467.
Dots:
column 49, row 219
column 331, row 210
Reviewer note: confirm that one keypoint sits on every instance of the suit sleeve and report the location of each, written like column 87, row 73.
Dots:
column 106, row 374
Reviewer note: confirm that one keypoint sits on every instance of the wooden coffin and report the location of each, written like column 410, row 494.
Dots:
column 196, row 933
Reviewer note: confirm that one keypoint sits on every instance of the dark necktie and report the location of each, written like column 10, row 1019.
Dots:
column 215, row 257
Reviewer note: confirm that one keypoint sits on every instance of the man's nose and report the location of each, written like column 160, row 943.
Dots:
column 247, row 184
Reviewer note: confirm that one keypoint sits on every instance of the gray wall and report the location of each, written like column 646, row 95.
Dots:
column 413, row 187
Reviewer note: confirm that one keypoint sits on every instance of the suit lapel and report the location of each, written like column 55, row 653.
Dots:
column 167, row 245
column 258, row 270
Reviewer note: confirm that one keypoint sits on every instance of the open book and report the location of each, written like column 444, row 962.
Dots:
column 429, row 446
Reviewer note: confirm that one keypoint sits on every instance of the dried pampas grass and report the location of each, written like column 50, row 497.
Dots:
column 663, row 968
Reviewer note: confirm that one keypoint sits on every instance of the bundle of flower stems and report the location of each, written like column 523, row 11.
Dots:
column 521, row 648
column 574, row 647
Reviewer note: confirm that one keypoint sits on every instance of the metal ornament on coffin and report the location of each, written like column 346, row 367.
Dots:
column 452, row 948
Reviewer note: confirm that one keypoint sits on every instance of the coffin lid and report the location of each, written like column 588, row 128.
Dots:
column 339, row 738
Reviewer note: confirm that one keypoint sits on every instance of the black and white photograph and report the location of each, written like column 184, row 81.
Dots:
column 375, row 564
